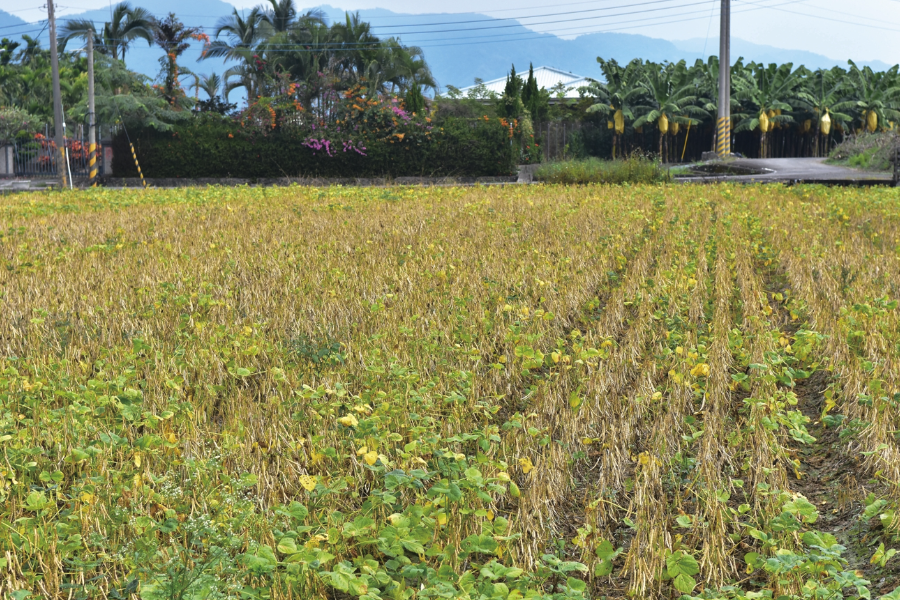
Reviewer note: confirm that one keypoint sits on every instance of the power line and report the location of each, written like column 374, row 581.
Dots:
column 573, row 12
column 508, row 26
column 815, row 16
column 628, row 24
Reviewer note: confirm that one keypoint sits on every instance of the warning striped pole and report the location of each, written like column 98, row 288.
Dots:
column 723, row 123
column 92, row 125
column 92, row 164
column 134, row 155
column 723, row 137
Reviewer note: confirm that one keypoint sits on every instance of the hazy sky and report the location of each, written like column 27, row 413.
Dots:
column 861, row 30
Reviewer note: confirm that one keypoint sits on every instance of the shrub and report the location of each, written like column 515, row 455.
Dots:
column 359, row 138
column 17, row 123
column 634, row 169
column 870, row 151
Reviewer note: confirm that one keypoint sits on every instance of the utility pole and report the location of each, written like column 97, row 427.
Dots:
column 61, row 162
column 92, row 117
column 723, row 123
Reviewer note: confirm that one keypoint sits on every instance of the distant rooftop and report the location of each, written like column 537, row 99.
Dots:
column 547, row 78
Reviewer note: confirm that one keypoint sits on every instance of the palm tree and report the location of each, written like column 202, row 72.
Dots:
column 877, row 95
column 282, row 16
column 353, row 47
column 211, row 84
column 404, row 66
column 244, row 35
column 618, row 94
column 670, row 98
column 127, row 25
column 173, row 37
column 766, row 92
column 31, row 49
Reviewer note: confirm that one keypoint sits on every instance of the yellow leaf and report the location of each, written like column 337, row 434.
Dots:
column 490, row 515
column 644, row 458
column 370, row 457
column 362, row 450
column 348, row 421
column 87, row 498
column 700, row 370
column 526, row 465
column 308, row 482
column 441, row 518
column 503, row 476
column 137, row 459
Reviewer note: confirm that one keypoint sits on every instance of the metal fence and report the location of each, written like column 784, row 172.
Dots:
column 897, row 166
column 556, row 137
column 38, row 157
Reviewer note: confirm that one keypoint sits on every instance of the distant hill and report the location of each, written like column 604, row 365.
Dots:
column 457, row 58
column 770, row 54
column 7, row 22
column 457, row 62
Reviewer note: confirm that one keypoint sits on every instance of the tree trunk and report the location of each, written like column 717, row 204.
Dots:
column 661, row 159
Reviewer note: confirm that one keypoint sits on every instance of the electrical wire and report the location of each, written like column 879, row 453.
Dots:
column 815, row 16
column 516, row 36
column 574, row 12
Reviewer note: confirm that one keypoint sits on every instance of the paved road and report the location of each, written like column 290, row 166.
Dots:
column 797, row 170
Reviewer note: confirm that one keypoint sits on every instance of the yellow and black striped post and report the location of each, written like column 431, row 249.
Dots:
column 134, row 155
column 723, row 137
column 92, row 164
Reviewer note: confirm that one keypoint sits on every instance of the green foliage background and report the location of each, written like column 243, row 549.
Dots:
column 203, row 148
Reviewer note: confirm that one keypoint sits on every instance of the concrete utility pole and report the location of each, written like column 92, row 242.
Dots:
column 723, row 124
column 61, row 163
column 92, row 117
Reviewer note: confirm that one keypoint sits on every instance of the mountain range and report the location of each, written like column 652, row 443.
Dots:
column 456, row 57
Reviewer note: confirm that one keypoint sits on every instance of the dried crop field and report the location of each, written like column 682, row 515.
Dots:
column 480, row 393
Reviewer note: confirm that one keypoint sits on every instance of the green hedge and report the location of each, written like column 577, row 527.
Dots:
column 213, row 148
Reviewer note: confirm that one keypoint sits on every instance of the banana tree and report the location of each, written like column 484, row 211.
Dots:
column 820, row 103
column 765, row 93
column 617, row 95
column 877, row 95
column 670, row 96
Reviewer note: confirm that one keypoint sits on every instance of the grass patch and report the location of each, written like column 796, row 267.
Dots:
column 636, row 169
column 867, row 151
